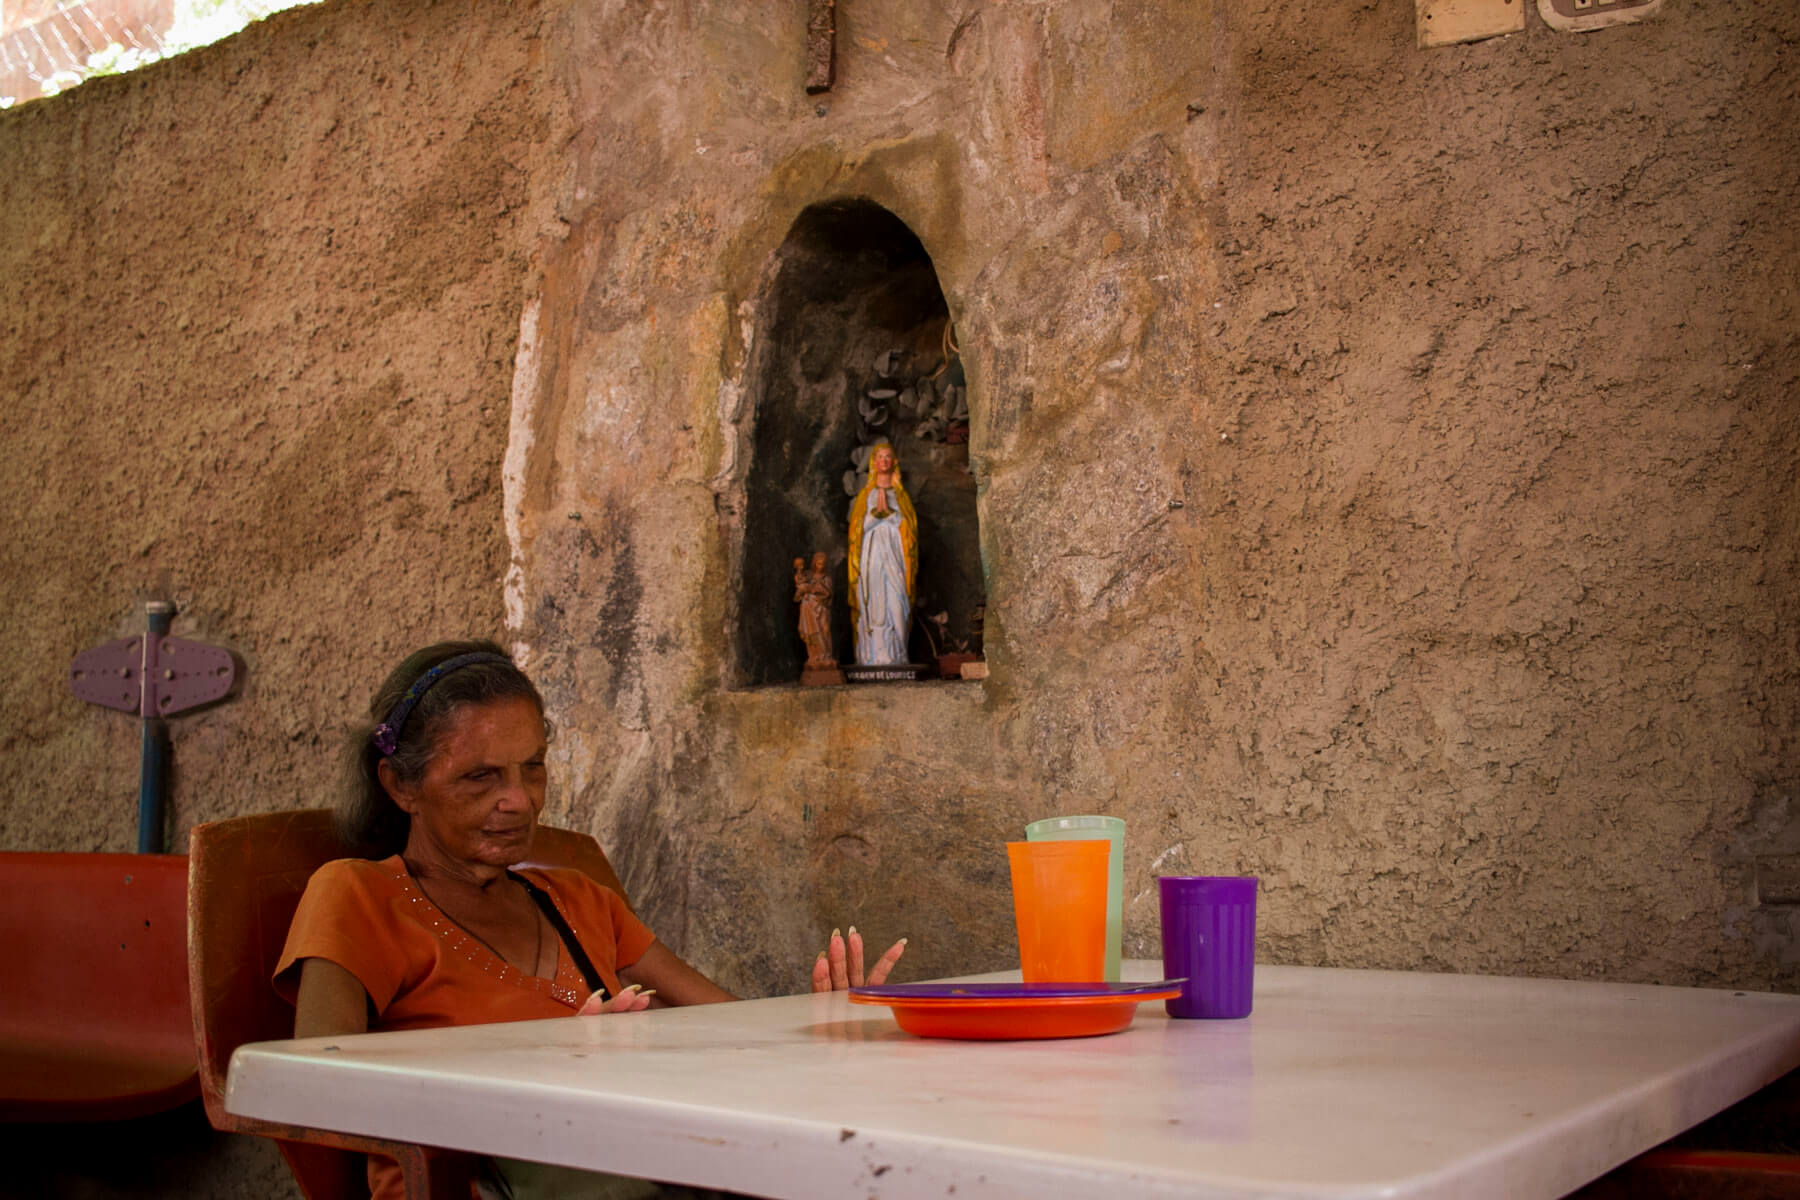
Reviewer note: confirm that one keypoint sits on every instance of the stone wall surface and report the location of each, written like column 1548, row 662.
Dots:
column 1385, row 457
column 1385, row 463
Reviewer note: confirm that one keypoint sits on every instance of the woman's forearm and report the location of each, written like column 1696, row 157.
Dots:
column 675, row 983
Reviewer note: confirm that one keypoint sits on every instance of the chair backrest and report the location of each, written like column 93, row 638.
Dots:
column 80, row 925
column 247, row 875
column 77, row 927
column 576, row 852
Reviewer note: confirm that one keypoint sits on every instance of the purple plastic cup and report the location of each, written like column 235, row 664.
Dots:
column 1209, row 939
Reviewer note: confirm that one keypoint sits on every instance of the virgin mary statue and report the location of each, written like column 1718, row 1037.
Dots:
column 884, row 557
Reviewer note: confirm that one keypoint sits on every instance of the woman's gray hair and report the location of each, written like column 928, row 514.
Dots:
column 367, row 818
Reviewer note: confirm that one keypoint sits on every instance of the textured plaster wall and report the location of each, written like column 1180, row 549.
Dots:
column 1385, row 457
column 1385, row 463
column 258, row 337
column 258, row 308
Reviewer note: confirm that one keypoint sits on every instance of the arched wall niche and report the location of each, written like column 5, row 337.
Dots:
column 851, row 349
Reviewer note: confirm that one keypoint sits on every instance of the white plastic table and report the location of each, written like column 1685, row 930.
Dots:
column 1341, row 1084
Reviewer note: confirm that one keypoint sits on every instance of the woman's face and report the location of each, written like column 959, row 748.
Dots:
column 884, row 460
column 481, row 793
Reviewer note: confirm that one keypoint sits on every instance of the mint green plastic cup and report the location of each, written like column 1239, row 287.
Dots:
column 1112, row 829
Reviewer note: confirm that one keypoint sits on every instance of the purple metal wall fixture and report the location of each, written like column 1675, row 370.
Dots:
column 155, row 676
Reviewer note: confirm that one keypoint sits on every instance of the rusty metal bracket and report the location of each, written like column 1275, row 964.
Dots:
column 821, row 46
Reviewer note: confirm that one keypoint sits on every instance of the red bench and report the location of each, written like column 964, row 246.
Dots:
column 94, row 1016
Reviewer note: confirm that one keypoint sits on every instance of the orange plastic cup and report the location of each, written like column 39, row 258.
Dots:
column 1059, row 900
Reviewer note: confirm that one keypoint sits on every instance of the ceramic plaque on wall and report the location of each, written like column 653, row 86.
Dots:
column 1447, row 22
column 1581, row 16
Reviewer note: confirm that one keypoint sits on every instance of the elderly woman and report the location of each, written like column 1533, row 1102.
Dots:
column 435, row 928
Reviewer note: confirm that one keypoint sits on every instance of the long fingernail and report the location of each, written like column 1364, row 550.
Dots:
column 633, row 987
column 648, row 992
column 822, row 953
column 836, row 934
column 903, row 941
column 853, row 931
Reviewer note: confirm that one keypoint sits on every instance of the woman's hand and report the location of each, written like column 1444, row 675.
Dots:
column 631, row 999
column 836, row 970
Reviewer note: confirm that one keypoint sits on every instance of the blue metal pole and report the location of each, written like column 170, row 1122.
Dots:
column 153, row 772
column 153, row 786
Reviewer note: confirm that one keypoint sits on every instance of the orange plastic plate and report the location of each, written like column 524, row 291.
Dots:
column 995, row 1019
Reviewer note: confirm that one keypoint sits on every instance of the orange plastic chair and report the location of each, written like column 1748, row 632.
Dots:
column 94, row 1022
column 247, row 877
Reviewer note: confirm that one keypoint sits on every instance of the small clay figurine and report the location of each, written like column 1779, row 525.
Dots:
column 812, row 588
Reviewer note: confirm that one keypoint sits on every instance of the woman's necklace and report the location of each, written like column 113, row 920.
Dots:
column 537, row 952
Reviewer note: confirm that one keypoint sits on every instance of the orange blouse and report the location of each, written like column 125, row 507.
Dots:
column 422, row 971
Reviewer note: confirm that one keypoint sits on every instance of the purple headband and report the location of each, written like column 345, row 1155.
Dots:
column 387, row 734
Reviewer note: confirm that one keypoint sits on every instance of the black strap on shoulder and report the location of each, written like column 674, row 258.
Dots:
column 548, row 907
